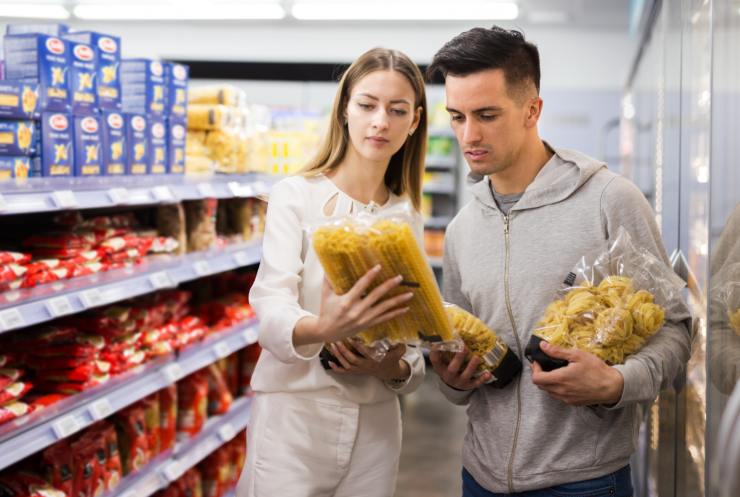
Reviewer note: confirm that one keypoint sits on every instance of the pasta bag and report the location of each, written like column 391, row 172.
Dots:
column 349, row 247
column 481, row 341
column 609, row 307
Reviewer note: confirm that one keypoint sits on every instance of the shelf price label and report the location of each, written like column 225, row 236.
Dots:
column 163, row 194
column 59, row 306
column 172, row 372
column 221, row 349
column 92, row 298
column 65, row 199
column 173, row 471
column 66, row 426
column 11, row 319
column 161, row 280
column 118, row 196
column 206, row 190
column 249, row 335
column 226, row 432
column 3, row 204
column 243, row 259
column 202, row 268
column 100, row 409
column 260, row 188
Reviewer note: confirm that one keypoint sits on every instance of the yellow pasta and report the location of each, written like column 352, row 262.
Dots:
column 348, row 249
column 479, row 338
column 610, row 320
column 734, row 319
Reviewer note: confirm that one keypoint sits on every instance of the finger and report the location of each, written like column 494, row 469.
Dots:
column 360, row 287
column 481, row 380
column 342, row 360
column 457, row 360
column 557, row 351
column 372, row 304
column 337, row 369
column 471, row 369
column 381, row 290
column 347, row 354
column 361, row 349
column 438, row 363
column 387, row 316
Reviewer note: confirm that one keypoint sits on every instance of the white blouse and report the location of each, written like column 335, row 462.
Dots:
column 288, row 287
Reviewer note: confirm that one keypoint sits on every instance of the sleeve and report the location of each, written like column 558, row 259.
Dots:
column 665, row 355
column 453, row 294
column 275, row 293
column 414, row 358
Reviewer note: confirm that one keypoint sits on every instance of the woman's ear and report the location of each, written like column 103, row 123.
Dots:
column 417, row 120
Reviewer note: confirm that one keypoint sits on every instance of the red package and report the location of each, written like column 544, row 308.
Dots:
column 231, row 371
column 215, row 473
column 133, row 443
column 58, row 466
column 42, row 401
column 194, row 483
column 219, row 397
column 13, row 258
column 126, row 254
column 71, row 388
column 105, row 317
column 11, row 272
column 88, row 351
column 55, row 362
column 192, row 403
column 8, row 376
column 122, row 243
column 47, row 276
column 67, row 253
column 4, row 360
column 238, row 448
column 24, row 484
column 81, row 373
column 89, row 268
column 167, row 417
column 249, row 357
column 44, row 265
column 84, row 467
column 14, row 391
column 48, row 335
column 100, row 457
column 152, row 415
column 114, row 465
column 163, row 245
column 12, row 411
column 78, row 240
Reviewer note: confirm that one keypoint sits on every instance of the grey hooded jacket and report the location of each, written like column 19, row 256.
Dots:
column 505, row 270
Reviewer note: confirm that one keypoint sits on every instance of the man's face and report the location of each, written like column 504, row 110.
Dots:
column 489, row 124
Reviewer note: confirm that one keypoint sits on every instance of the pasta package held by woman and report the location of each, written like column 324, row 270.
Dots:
column 482, row 341
column 609, row 307
column 350, row 246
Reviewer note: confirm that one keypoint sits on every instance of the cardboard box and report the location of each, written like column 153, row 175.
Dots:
column 57, row 147
column 18, row 138
column 177, row 136
column 83, row 79
column 157, row 146
column 176, row 81
column 137, row 143
column 143, row 87
column 108, row 54
column 87, row 146
column 18, row 100
column 15, row 167
column 113, row 131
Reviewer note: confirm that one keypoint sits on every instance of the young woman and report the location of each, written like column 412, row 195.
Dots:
column 336, row 432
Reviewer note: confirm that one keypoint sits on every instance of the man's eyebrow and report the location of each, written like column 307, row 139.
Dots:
column 397, row 101
column 492, row 108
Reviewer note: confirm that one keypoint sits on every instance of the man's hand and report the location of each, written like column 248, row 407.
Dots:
column 586, row 380
column 455, row 373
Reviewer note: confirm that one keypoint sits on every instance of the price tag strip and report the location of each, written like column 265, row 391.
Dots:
column 243, row 259
column 100, row 409
column 65, row 199
column 172, row 372
column 161, row 280
column 118, row 196
column 59, row 306
column 11, row 319
column 221, row 349
column 66, row 426
column 206, row 190
column 92, row 298
column 163, row 194
column 202, row 268
column 226, row 432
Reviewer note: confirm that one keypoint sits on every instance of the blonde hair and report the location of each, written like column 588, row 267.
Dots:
column 406, row 167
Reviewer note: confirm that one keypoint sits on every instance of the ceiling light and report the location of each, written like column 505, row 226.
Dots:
column 189, row 11
column 547, row 17
column 33, row 11
column 411, row 10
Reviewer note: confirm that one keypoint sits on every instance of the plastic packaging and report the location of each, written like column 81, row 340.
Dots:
column 610, row 306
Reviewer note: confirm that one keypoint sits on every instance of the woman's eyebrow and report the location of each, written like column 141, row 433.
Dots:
column 373, row 97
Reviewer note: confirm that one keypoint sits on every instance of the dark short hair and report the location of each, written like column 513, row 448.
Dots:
column 480, row 49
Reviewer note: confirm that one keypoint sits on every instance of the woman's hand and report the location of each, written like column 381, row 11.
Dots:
column 359, row 361
column 343, row 316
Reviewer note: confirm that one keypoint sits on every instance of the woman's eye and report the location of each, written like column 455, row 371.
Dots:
column 399, row 112
column 365, row 106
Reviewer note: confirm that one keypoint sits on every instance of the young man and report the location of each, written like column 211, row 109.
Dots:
column 536, row 211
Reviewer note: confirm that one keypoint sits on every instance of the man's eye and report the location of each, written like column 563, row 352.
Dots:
column 488, row 117
column 456, row 118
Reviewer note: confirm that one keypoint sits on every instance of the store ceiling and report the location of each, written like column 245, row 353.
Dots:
column 575, row 14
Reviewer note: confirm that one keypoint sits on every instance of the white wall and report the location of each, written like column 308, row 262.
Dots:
column 571, row 58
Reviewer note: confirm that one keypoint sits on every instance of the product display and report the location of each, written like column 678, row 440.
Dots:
column 350, row 247
column 610, row 307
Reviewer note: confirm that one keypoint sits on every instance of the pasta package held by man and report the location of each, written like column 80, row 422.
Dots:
column 349, row 247
column 609, row 307
column 482, row 341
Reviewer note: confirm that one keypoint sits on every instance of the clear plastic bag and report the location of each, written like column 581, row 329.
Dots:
column 348, row 247
column 473, row 334
column 610, row 306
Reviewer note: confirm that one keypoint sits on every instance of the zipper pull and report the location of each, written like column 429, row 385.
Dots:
column 506, row 225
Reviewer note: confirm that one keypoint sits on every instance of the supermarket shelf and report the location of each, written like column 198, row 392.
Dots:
column 164, row 470
column 441, row 131
column 21, row 308
column 440, row 188
column 77, row 412
column 438, row 222
column 54, row 194
column 443, row 162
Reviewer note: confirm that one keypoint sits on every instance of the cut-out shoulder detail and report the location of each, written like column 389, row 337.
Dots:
column 330, row 206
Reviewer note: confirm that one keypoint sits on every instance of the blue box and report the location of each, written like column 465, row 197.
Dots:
column 113, row 130
column 18, row 100
column 18, row 138
column 15, row 167
column 143, row 87
column 43, row 28
column 137, row 143
column 157, row 146
column 37, row 58
column 83, row 79
column 176, row 81
column 57, row 147
column 177, row 135
column 108, row 53
column 87, row 146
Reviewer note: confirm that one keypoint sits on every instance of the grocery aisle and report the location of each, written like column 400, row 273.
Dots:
column 433, row 431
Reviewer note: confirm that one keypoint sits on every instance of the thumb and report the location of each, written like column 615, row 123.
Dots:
column 557, row 351
column 326, row 288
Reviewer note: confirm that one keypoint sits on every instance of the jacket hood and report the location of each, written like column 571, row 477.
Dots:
column 565, row 172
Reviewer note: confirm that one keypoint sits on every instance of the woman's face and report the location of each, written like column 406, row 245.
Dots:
column 380, row 114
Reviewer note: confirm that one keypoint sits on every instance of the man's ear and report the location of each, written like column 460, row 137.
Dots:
column 533, row 112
